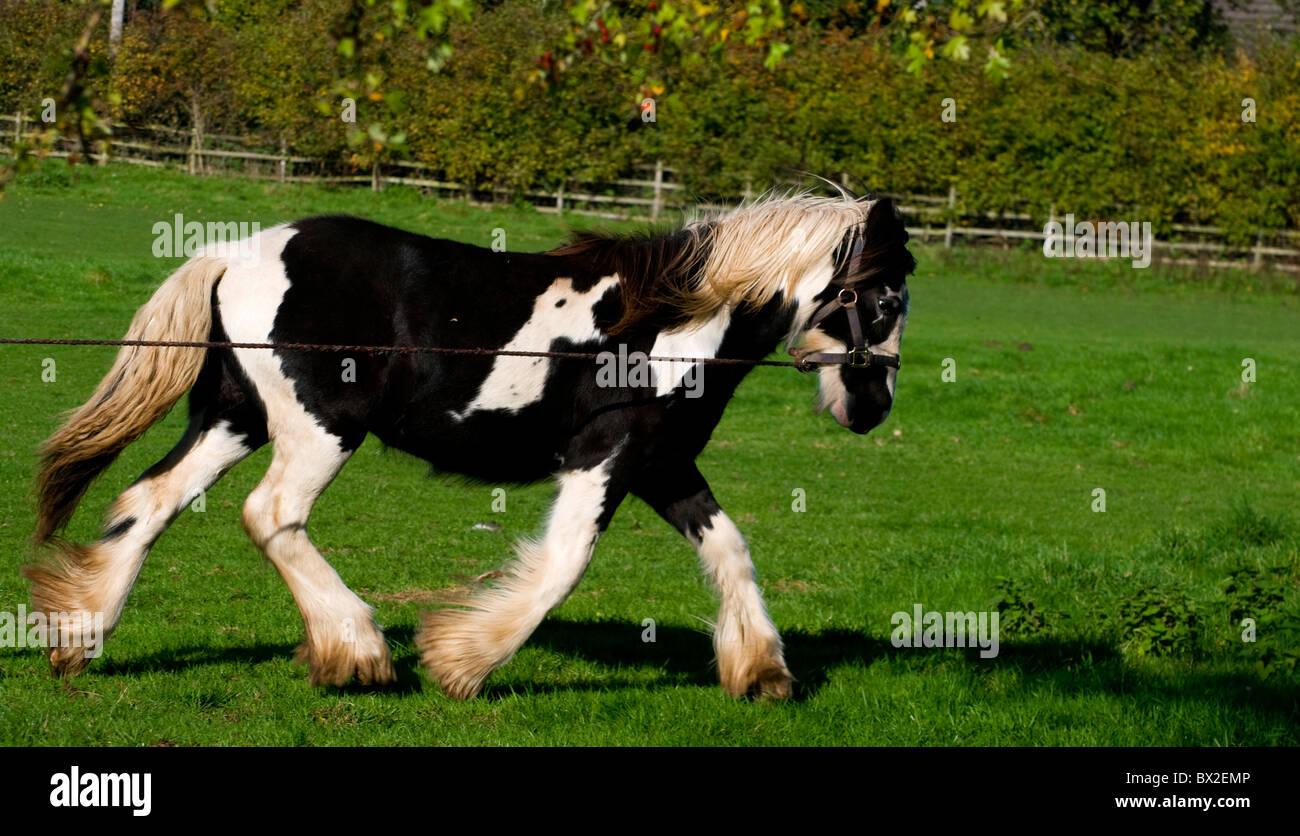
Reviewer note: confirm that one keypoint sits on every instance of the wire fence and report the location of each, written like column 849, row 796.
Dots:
column 802, row 365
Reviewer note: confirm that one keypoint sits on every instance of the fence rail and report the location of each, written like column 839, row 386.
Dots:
column 629, row 197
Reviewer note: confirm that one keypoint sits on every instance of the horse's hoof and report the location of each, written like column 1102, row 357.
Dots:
column 777, row 684
column 339, row 665
column 762, row 678
column 68, row 661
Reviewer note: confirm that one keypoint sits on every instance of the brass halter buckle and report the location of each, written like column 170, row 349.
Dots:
column 857, row 357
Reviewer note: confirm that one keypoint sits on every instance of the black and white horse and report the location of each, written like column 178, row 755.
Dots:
column 829, row 271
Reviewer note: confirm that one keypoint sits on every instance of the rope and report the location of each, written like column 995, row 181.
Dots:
column 402, row 349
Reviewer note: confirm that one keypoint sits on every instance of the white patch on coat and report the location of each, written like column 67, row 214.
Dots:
column 702, row 340
column 805, row 297
column 248, row 297
column 515, row 382
column 892, row 345
column 831, row 391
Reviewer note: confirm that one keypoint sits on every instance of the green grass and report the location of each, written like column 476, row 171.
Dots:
column 1071, row 376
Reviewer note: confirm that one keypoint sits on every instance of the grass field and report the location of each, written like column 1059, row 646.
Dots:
column 1118, row 627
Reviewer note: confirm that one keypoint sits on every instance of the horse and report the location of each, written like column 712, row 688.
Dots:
column 523, row 402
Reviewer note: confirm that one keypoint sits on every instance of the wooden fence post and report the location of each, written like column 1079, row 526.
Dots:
column 18, row 127
column 1258, row 258
column 559, row 200
column 952, row 203
column 659, row 190
column 284, row 160
column 749, row 188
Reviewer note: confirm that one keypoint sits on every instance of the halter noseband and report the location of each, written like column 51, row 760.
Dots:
column 859, row 356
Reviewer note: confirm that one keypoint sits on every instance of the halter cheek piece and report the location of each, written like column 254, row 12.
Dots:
column 859, row 356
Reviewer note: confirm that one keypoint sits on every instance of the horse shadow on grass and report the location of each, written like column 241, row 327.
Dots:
column 178, row 660
column 683, row 657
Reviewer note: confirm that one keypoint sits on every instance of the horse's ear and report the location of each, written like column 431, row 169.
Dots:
column 885, row 242
column 884, row 223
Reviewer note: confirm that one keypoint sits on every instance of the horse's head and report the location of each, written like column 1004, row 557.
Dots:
column 856, row 327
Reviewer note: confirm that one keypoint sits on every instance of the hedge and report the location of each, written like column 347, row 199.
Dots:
column 1159, row 135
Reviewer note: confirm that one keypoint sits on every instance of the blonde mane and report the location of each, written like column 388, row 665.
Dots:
column 744, row 256
column 766, row 247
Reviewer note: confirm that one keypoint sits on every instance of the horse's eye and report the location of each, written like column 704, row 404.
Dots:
column 889, row 305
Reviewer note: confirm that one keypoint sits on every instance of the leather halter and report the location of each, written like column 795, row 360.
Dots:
column 859, row 356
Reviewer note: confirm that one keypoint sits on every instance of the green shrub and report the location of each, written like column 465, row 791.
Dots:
column 1278, row 641
column 1252, row 593
column 1269, row 599
column 1157, row 622
column 1017, row 614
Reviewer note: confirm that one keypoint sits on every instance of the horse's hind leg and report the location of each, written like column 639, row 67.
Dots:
column 82, row 590
column 343, row 640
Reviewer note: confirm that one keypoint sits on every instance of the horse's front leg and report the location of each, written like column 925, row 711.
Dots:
column 750, row 656
column 460, row 647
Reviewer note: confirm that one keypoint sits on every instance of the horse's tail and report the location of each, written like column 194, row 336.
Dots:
column 143, row 385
